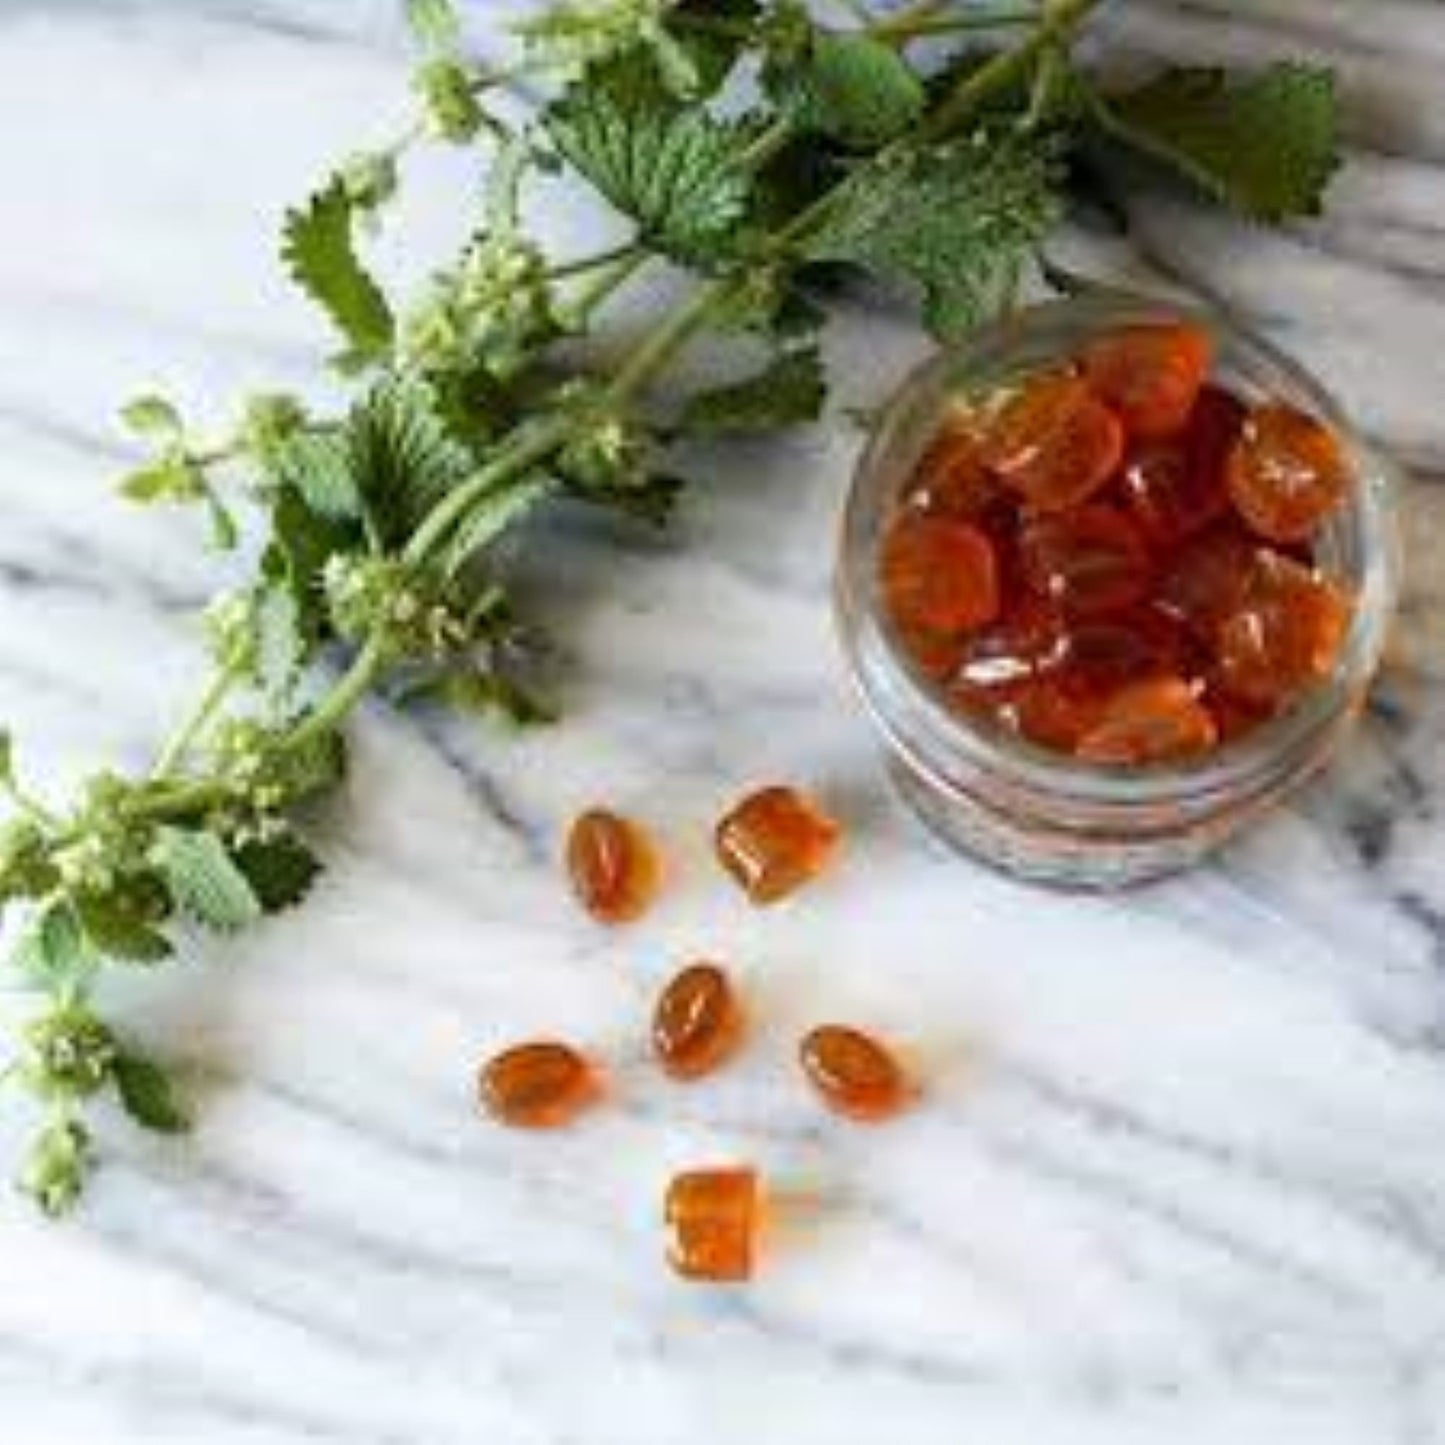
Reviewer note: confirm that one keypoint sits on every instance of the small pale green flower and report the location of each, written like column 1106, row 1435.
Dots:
column 67, row 1053
column 450, row 107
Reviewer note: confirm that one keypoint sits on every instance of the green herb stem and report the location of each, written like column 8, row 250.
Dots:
column 212, row 698
column 1005, row 69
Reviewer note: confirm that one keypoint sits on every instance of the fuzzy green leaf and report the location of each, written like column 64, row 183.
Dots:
column 492, row 696
column 121, row 930
column 960, row 219
column 53, row 949
column 319, row 466
column 855, row 89
column 280, row 870
column 788, row 391
column 674, row 170
column 203, row 879
column 146, row 1093
column 1265, row 144
column 170, row 478
column 402, row 456
column 152, row 416
column 318, row 247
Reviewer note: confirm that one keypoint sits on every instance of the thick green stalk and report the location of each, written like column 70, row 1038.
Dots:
column 1060, row 20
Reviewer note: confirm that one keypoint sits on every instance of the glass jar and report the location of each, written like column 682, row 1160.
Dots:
column 1045, row 815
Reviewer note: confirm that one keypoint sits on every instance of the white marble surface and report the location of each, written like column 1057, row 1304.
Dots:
column 1180, row 1176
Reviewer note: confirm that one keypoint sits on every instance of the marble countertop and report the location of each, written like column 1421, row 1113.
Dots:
column 1180, row 1176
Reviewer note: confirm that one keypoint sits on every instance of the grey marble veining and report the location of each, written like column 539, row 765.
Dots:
column 1179, row 1176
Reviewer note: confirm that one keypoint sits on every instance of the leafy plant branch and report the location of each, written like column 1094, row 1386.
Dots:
column 767, row 153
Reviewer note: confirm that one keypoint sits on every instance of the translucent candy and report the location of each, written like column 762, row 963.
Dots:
column 1285, row 634
column 612, row 865
column 1150, row 722
column 951, row 479
column 697, row 1023
column 854, row 1074
column 939, row 576
column 1175, row 488
column 540, row 1085
column 1054, row 442
column 1086, row 562
column 713, row 1218
column 774, row 842
column 1286, row 473
column 1205, row 581
column 1150, row 376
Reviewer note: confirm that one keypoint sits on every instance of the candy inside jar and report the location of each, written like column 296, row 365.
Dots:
column 1116, row 556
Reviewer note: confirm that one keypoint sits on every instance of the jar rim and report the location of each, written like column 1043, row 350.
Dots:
column 938, row 741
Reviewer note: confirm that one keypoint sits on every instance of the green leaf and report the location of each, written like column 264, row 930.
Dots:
column 152, row 416
column 402, row 456
column 319, row 466
column 147, row 1095
column 1264, row 144
column 855, row 89
column 123, row 930
column 434, row 23
column 7, row 760
column 493, row 696
column 674, row 170
column 171, row 478
column 53, row 950
column 316, row 766
column 280, row 871
column 790, row 390
column 960, row 219
column 318, row 247
column 282, row 639
column 203, row 879
column 301, row 544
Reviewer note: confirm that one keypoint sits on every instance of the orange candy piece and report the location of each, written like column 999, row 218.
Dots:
column 1286, row 473
column 951, row 479
column 1175, row 488
column 1285, row 634
column 1150, row 722
column 1207, row 579
column 939, row 576
column 713, row 1219
column 854, row 1074
column 612, row 865
column 775, row 841
column 1088, row 561
column 1150, row 376
column 1054, row 442
column 541, row 1085
column 697, row 1023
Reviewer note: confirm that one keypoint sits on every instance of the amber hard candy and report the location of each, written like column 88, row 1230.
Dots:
column 1175, row 488
column 713, row 1219
column 854, row 1074
column 1150, row 722
column 539, row 1085
column 1150, row 376
column 611, row 863
column 698, row 1022
column 775, row 841
column 939, row 576
column 1054, row 442
column 1286, row 633
column 1286, row 473
column 1088, row 561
